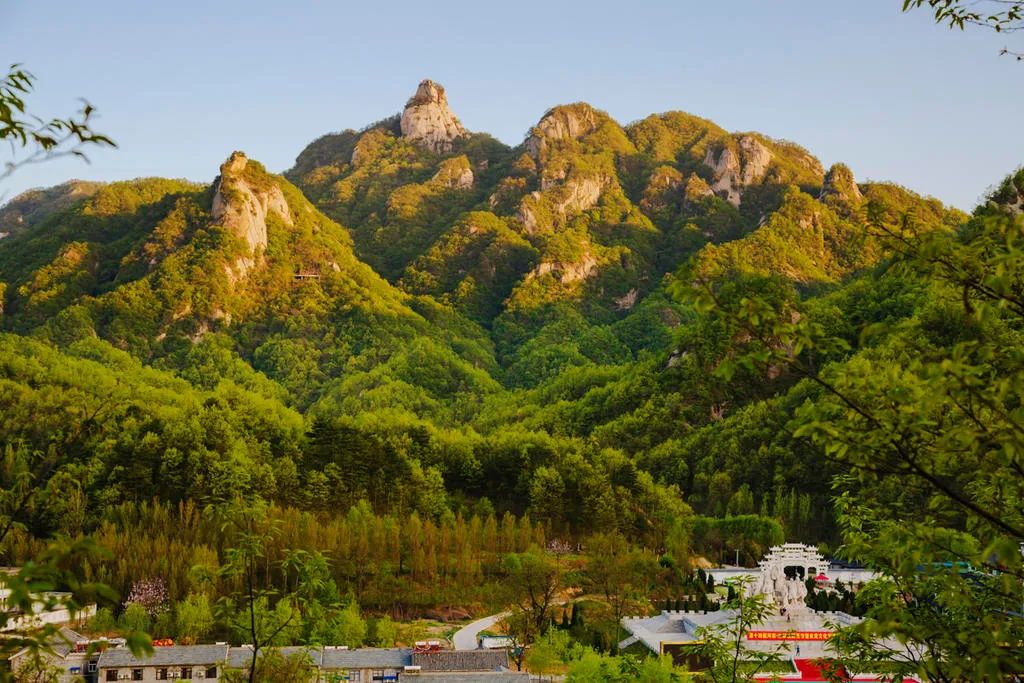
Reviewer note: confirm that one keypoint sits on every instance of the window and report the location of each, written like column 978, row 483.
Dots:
column 91, row 667
column 355, row 676
column 112, row 674
column 186, row 673
column 211, row 672
column 161, row 674
column 136, row 674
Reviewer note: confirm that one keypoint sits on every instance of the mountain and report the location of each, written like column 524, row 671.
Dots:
column 421, row 301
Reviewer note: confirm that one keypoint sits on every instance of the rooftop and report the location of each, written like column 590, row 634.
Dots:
column 175, row 655
column 461, row 660
column 240, row 657
column 365, row 658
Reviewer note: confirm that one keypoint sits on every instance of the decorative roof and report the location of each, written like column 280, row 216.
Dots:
column 461, row 660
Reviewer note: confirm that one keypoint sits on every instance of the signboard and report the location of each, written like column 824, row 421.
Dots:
column 789, row 635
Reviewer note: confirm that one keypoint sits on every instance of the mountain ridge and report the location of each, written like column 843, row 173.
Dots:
column 486, row 318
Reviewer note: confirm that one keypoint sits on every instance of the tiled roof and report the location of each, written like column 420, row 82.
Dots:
column 461, row 660
column 64, row 641
column 366, row 658
column 241, row 657
column 174, row 655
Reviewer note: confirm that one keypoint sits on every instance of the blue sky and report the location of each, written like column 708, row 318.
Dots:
column 181, row 84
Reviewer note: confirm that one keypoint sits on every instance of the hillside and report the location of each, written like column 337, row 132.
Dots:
column 423, row 317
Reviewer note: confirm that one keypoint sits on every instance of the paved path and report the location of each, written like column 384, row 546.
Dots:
column 465, row 637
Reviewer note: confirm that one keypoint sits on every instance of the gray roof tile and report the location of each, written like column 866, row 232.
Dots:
column 174, row 655
column 240, row 657
column 461, row 660
column 366, row 658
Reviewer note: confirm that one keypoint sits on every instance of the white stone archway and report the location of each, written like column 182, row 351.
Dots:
column 786, row 593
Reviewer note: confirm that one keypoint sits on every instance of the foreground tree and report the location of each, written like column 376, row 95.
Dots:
column 723, row 645
column 622, row 574
column 534, row 580
column 261, row 614
column 1002, row 16
column 274, row 667
column 33, row 140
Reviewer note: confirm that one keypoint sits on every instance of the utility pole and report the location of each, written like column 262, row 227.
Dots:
column 737, row 557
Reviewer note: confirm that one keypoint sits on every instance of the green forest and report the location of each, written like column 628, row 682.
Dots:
column 669, row 340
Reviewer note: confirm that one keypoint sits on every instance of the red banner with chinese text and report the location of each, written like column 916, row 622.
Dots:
column 789, row 635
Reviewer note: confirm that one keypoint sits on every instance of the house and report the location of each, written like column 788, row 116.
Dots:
column 330, row 664
column 463, row 666
column 172, row 663
column 241, row 657
column 363, row 665
column 71, row 653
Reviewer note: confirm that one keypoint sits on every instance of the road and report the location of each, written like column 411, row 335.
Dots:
column 465, row 637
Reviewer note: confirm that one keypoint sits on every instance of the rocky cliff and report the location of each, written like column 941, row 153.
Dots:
column 428, row 121
column 243, row 205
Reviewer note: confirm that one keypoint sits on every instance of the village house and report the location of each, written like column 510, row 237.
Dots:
column 72, row 654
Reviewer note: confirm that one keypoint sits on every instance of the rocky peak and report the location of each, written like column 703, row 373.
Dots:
column 839, row 183
column 242, row 204
column 735, row 169
column 569, row 122
column 428, row 121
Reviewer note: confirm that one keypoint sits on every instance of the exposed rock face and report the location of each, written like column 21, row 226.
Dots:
column 567, row 273
column 243, row 208
column 574, row 197
column 428, row 121
column 561, row 123
column 839, row 183
column 735, row 171
column 627, row 300
column 755, row 158
column 662, row 189
column 581, row 194
column 455, row 173
column 696, row 189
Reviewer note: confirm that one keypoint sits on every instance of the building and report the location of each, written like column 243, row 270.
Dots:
column 780, row 577
column 330, row 664
column 465, row 666
column 48, row 608
column 241, row 657
column 74, row 655
column 363, row 665
column 172, row 663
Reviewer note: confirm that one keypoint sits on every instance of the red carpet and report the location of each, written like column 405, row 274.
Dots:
column 809, row 670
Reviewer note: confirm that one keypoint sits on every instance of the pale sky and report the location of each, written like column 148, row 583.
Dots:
column 181, row 84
